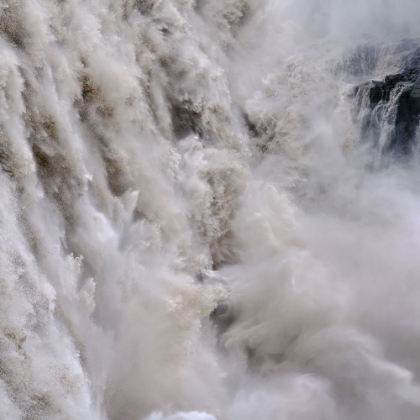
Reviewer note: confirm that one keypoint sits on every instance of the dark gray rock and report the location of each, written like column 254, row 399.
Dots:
column 389, row 110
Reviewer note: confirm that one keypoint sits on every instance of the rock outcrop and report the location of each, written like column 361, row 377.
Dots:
column 389, row 110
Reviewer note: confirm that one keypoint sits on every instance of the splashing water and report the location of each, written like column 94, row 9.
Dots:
column 192, row 226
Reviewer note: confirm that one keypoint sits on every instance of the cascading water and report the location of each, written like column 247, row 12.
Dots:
column 200, row 216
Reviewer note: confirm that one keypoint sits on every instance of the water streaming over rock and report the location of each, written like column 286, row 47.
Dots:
column 201, row 217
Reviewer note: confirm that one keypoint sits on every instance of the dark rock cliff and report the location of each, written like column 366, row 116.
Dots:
column 389, row 110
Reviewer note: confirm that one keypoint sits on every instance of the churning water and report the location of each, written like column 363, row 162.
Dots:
column 192, row 225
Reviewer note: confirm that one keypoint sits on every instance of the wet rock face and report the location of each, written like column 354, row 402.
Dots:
column 389, row 110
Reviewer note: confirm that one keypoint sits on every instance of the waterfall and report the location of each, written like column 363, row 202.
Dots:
column 202, row 215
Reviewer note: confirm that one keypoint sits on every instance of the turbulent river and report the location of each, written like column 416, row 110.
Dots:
column 204, row 214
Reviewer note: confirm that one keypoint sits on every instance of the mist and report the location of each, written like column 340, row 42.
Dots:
column 196, row 223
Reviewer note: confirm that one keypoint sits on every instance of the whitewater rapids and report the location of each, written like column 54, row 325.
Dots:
column 191, row 226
